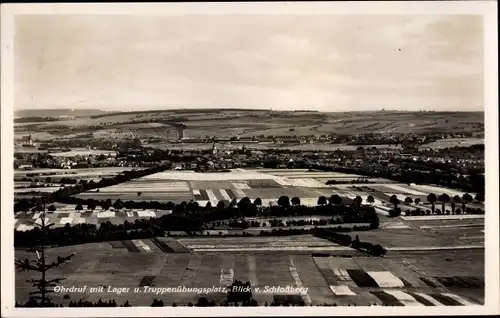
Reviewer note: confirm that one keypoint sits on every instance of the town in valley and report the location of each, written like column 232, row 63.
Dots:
column 246, row 158
column 248, row 201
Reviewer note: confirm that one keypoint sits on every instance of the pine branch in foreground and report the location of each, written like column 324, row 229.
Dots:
column 40, row 297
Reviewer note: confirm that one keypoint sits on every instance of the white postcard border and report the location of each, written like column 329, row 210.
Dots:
column 486, row 8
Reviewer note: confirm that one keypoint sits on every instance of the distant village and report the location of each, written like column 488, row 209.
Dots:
column 451, row 165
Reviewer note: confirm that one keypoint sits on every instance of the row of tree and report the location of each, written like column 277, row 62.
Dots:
column 443, row 198
column 346, row 240
column 144, row 229
column 417, row 212
column 242, row 223
column 189, row 217
column 426, row 173
column 67, row 192
column 224, row 210
column 245, row 204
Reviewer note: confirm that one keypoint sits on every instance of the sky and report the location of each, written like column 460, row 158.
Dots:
column 281, row 62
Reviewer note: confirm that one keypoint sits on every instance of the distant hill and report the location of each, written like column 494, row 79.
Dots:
column 55, row 113
column 249, row 123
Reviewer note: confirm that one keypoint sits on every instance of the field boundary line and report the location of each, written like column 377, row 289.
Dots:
column 405, row 298
column 298, row 282
column 429, row 299
column 252, row 267
column 460, row 299
column 435, row 248
column 442, row 217
column 451, row 226
column 140, row 244
column 187, row 248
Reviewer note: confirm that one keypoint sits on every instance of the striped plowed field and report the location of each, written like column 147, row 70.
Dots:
column 411, row 278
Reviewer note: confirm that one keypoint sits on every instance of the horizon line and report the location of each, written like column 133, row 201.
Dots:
column 248, row 109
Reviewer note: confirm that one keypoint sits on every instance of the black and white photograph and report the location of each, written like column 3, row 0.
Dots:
column 288, row 156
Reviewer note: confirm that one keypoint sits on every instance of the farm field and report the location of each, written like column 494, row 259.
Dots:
column 74, row 173
column 453, row 142
column 413, row 278
column 83, row 152
column 267, row 145
column 67, row 214
column 38, row 189
column 261, row 122
column 255, row 244
column 269, row 185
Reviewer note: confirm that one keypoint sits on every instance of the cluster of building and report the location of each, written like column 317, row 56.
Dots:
column 222, row 156
column 360, row 139
column 26, row 161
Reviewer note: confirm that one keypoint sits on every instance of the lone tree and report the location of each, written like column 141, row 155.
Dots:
column 479, row 197
column 444, row 198
column 335, row 199
column 296, row 201
column 221, row 205
column 322, row 200
column 431, row 198
column 244, row 201
column 258, row 202
column 466, row 198
column 356, row 204
column 52, row 208
column 239, row 292
column 204, row 302
column 192, row 206
column 358, row 201
column 417, row 201
column 43, row 286
column 370, row 199
column 394, row 200
column 92, row 205
column 246, row 207
column 408, row 200
column 233, row 204
column 105, row 205
column 79, row 207
column 157, row 303
column 284, row 201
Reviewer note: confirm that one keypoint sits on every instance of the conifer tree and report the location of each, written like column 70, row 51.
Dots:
column 43, row 286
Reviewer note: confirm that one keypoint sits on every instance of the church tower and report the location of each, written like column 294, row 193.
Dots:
column 214, row 149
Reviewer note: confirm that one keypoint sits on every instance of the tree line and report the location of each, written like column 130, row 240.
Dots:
column 347, row 240
column 67, row 192
column 418, row 172
column 354, row 212
column 444, row 198
column 192, row 223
